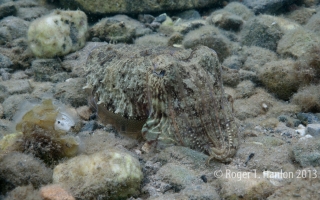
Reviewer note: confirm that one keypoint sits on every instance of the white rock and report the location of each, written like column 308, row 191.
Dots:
column 313, row 129
column 305, row 137
column 301, row 130
column 58, row 33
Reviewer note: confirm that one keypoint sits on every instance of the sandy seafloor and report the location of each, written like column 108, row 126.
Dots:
column 271, row 68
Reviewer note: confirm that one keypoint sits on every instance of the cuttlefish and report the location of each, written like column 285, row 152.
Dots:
column 169, row 95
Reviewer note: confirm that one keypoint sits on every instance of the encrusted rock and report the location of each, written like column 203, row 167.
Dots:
column 225, row 20
column 58, row 33
column 44, row 69
column 261, row 31
column 5, row 62
column 271, row 6
column 15, row 86
column 12, row 28
column 240, row 10
column 103, row 7
column 211, row 37
column 112, row 30
column 298, row 42
column 17, row 169
column 281, row 78
column 109, row 174
column 172, row 96
column 255, row 57
column 55, row 192
column 7, row 9
column 31, row 13
column 313, row 129
column 71, row 92
column 307, row 152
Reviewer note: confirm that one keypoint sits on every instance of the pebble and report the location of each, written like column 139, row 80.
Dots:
column 161, row 18
column 7, row 9
column 5, row 62
column 15, row 86
column 90, row 126
column 308, row 118
column 145, row 18
column 55, row 192
column 84, row 112
column 305, row 137
column 313, row 129
column 301, row 130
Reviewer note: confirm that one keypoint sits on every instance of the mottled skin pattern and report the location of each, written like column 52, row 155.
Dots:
column 172, row 96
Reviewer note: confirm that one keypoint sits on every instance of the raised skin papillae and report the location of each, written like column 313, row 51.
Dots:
column 172, row 96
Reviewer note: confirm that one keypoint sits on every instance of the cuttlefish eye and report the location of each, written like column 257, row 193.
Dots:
column 159, row 73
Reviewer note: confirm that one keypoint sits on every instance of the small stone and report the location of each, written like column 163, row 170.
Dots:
column 18, row 169
column 31, row 13
column 175, row 38
column 71, row 92
column 189, row 15
column 264, row 106
column 44, row 69
column 305, row 137
column 281, row 78
column 161, row 18
column 211, row 37
column 262, row 6
column 298, row 42
column 15, row 86
column 89, row 126
column 233, row 62
column 239, row 9
column 301, row 130
column 7, row 9
column 19, row 75
column 313, row 129
column 146, row 18
column 5, row 62
column 12, row 28
column 119, row 28
column 12, row 104
column 225, row 20
column 306, row 152
column 55, row 192
column 185, row 27
column 302, row 15
column 177, row 175
column 258, row 31
column 23, row 192
column 246, row 89
column 84, row 112
column 204, row 178
column 308, row 118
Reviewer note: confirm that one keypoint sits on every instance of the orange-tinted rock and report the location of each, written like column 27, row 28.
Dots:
column 55, row 192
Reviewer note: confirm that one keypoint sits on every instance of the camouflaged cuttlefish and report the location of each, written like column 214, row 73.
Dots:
column 170, row 95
